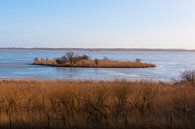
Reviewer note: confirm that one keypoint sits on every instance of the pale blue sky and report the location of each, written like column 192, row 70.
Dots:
column 98, row 23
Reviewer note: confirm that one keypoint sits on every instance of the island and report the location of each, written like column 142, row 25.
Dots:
column 84, row 61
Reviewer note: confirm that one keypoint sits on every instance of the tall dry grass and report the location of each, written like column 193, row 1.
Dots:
column 57, row 104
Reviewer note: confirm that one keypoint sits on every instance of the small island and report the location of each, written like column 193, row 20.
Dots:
column 84, row 61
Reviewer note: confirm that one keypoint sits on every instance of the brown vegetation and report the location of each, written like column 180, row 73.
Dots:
column 69, row 60
column 58, row 104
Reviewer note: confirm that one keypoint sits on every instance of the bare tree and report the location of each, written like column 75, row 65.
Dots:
column 70, row 56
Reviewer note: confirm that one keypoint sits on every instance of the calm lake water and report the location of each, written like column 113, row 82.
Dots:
column 17, row 64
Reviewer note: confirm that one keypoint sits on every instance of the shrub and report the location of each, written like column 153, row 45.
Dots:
column 36, row 59
column 59, row 61
column 85, row 57
column 69, row 57
column 188, row 77
column 64, row 58
column 138, row 60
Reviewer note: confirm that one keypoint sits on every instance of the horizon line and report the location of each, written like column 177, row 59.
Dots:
column 116, row 49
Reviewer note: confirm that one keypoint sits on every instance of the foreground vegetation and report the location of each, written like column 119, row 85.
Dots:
column 70, row 60
column 58, row 104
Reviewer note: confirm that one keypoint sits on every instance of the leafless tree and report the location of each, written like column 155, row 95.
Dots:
column 70, row 56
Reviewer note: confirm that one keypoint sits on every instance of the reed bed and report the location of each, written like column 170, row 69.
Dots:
column 100, row 64
column 72, row 60
column 58, row 104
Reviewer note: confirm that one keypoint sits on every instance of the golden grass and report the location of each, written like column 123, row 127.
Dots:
column 100, row 64
column 58, row 104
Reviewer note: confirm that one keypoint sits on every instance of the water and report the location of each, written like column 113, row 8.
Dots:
column 17, row 64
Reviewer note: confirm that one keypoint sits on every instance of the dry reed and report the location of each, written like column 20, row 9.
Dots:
column 58, row 104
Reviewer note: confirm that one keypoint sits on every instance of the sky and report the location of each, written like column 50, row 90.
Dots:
column 98, row 23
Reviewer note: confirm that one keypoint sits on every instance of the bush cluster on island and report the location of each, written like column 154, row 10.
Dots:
column 72, row 60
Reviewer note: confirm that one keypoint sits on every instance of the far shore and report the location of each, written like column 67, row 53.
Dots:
column 100, row 49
